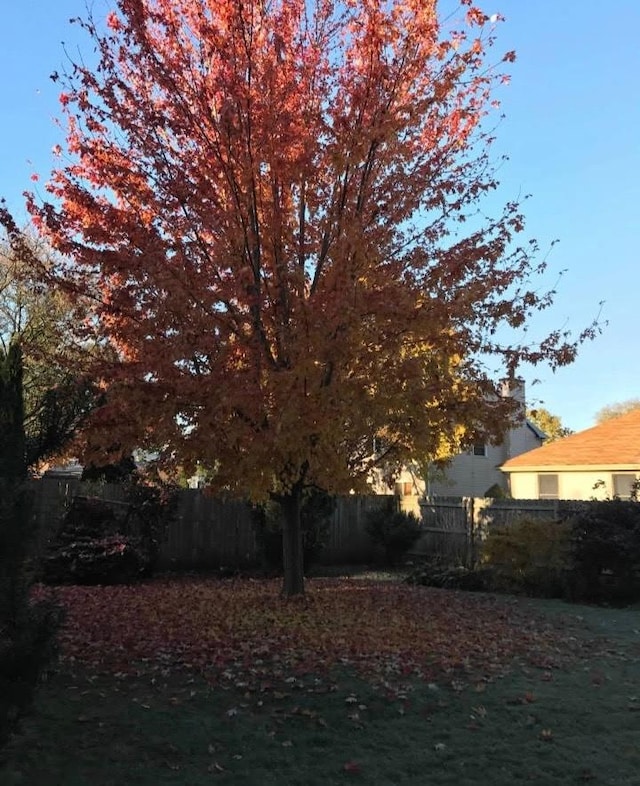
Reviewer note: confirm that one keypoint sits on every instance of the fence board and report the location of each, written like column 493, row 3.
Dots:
column 446, row 529
column 502, row 512
column 348, row 540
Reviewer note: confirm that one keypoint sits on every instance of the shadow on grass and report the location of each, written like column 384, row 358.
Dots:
column 96, row 731
column 571, row 725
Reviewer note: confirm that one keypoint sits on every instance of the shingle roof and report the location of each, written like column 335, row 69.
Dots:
column 614, row 443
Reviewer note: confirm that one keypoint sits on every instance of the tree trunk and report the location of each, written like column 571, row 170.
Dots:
column 292, row 550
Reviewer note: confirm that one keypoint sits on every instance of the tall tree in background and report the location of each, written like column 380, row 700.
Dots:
column 37, row 323
column 274, row 206
column 550, row 424
column 615, row 410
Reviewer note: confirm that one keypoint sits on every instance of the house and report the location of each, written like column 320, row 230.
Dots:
column 72, row 470
column 474, row 472
column 598, row 463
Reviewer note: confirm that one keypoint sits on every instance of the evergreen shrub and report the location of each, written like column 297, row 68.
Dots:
column 394, row 531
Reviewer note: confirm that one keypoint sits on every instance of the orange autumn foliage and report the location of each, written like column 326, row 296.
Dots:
column 266, row 202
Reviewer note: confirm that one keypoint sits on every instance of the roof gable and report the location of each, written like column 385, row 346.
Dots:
column 540, row 434
column 615, row 442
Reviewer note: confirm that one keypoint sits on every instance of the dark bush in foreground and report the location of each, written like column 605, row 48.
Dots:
column 394, row 531
column 103, row 542
column 28, row 650
column 606, row 552
column 27, row 629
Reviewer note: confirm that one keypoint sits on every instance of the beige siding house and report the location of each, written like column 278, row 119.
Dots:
column 598, row 463
column 474, row 472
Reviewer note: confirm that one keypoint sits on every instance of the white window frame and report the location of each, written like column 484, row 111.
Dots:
column 633, row 476
column 548, row 494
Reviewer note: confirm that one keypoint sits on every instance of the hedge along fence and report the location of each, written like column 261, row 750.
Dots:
column 579, row 550
column 214, row 532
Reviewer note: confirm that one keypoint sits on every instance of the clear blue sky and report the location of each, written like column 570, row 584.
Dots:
column 572, row 131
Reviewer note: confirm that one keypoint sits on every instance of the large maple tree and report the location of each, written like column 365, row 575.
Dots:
column 266, row 200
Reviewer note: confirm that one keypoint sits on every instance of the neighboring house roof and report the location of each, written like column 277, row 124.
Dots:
column 70, row 471
column 614, row 444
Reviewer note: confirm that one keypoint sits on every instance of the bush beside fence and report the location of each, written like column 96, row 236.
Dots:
column 455, row 527
column 578, row 550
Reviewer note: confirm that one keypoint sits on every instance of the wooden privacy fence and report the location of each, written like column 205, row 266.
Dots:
column 454, row 527
column 210, row 532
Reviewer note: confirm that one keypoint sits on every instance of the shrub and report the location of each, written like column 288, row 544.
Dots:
column 27, row 629
column 606, row 551
column 316, row 510
column 592, row 555
column 152, row 509
column 115, row 559
column 394, row 531
column 101, row 542
column 435, row 573
column 530, row 556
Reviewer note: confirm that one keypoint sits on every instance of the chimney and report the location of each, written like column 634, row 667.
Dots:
column 513, row 388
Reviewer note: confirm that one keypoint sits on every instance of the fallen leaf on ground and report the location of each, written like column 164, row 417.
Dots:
column 546, row 735
column 384, row 631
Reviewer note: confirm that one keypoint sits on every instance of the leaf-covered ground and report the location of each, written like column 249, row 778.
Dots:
column 191, row 681
column 383, row 630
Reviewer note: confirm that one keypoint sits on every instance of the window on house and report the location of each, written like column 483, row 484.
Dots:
column 404, row 488
column 623, row 484
column 480, row 449
column 547, row 486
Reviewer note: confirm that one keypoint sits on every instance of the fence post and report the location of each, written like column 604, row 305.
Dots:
column 470, row 518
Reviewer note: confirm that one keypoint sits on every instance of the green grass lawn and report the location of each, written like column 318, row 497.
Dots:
column 563, row 706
